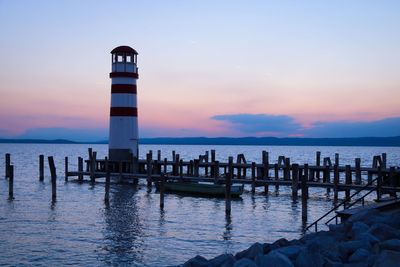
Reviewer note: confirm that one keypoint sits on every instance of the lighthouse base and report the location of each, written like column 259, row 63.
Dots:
column 120, row 154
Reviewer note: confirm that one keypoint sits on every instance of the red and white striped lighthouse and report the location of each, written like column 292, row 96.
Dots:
column 123, row 138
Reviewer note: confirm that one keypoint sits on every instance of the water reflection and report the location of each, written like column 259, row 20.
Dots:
column 123, row 234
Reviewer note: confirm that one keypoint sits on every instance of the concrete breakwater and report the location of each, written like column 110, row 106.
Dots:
column 368, row 238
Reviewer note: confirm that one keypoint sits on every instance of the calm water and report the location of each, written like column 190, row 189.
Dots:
column 79, row 229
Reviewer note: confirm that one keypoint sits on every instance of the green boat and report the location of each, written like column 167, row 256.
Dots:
column 207, row 189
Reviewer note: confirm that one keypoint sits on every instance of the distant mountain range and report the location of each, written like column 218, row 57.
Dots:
column 274, row 141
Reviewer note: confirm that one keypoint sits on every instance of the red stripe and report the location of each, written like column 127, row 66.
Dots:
column 123, row 89
column 124, row 74
column 123, row 111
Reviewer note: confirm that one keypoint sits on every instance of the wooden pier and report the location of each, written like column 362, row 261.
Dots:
column 325, row 173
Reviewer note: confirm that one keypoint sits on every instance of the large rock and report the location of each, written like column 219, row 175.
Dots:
column 357, row 229
column 252, row 252
column 392, row 244
column 273, row 259
column 360, row 255
column 388, row 258
column 367, row 238
column 384, row 232
column 245, row 263
column 197, row 261
column 349, row 247
column 310, row 256
column 291, row 251
column 222, row 260
column 363, row 215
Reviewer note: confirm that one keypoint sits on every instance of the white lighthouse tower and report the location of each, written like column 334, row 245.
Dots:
column 123, row 138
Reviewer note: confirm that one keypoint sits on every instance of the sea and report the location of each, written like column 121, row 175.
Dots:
column 80, row 229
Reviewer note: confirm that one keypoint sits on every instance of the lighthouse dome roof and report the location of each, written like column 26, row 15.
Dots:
column 124, row 49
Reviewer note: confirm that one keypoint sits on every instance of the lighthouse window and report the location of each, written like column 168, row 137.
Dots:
column 120, row 59
column 128, row 59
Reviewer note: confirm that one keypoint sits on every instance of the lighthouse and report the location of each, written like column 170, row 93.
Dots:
column 123, row 136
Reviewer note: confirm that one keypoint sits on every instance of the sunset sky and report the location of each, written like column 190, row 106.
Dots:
column 206, row 68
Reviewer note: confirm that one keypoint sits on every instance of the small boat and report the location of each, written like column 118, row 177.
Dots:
column 209, row 189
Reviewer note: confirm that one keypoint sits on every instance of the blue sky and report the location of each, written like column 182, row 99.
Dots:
column 207, row 68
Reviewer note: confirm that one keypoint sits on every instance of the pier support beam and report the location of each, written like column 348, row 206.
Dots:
column 53, row 174
column 228, row 187
column 10, row 182
column 7, row 165
column 41, row 168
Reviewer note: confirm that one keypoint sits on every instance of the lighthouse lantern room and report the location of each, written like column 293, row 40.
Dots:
column 123, row 135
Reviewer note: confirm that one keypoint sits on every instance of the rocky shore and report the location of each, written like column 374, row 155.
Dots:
column 368, row 238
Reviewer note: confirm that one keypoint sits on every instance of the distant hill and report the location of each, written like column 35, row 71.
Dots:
column 271, row 141
column 291, row 141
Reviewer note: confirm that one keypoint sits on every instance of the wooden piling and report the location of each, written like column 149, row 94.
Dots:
column 10, row 173
column 304, row 187
column 216, row 171
column 276, row 173
column 228, row 187
column 53, row 174
column 41, row 168
column 318, row 163
column 80, row 168
column 384, row 160
column 265, row 162
column 212, row 155
column 162, row 189
column 196, row 168
column 66, row 169
column 206, row 167
column 358, row 171
column 295, row 180
column 165, row 165
column 107, row 185
column 348, row 180
column 7, row 164
column 337, row 159
column 148, row 168
column 379, row 184
column 286, row 170
column 253, row 177
column 181, row 168
column 392, row 180
column 335, row 181
column 327, row 178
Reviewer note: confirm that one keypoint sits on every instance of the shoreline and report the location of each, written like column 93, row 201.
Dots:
column 368, row 238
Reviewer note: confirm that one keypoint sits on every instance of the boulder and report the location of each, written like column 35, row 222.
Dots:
column 384, row 232
column 391, row 244
column 357, row 229
column 360, row 255
column 277, row 244
column 310, row 256
column 252, row 252
column 291, row 251
column 363, row 215
column 349, row 247
column 273, row 259
column 367, row 238
column 388, row 258
column 245, row 263
column 221, row 260
column 197, row 261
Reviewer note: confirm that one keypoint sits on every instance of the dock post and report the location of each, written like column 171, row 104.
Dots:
column 304, row 187
column 253, row 177
column 162, row 189
column 295, row 180
column 107, row 186
column 335, row 181
column 10, row 182
column 66, row 169
column 228, row 187
column 392, row 180
column 80, row 168
column 358, row 171
column 93, row 167
column 53, row 174
column 196, row 168
column 337, row 159
column 181, row 168
column 148, row 165
column 173, row 155
column 276, row 172
column 238, row 163
column 327, row 178
column 206, row 161
column 384, row 160
column 318, row 163
column 216, row 171
column 304, row 193
column 286, row 170
column 165, row 165
column 348, row 181
column 41, row 168
column 176, row 165
column 265, row 162
column 379, row 184
column 8, row 162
